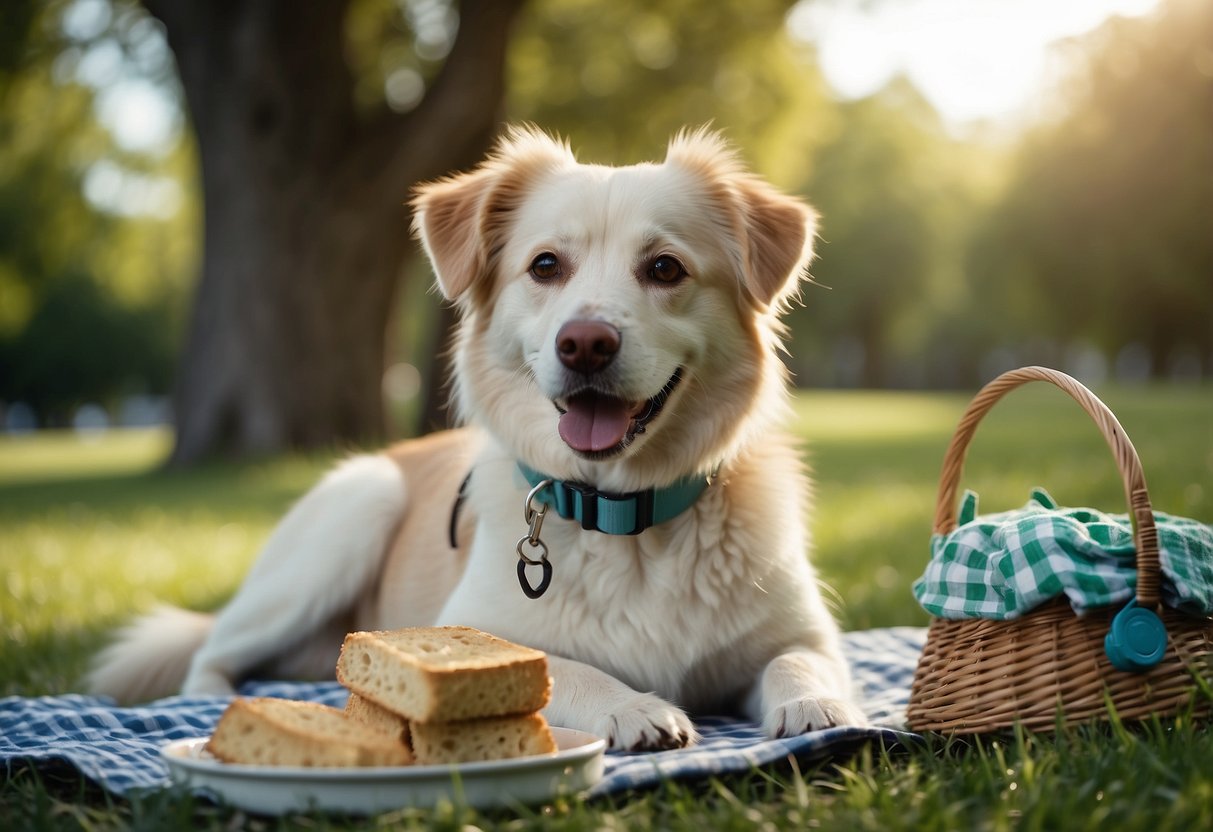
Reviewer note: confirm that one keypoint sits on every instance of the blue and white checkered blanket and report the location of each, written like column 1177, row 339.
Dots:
column 119, row 748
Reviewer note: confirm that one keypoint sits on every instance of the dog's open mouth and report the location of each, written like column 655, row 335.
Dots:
column 595, row 424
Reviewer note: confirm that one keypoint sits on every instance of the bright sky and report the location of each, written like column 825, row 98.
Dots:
column 973, row 59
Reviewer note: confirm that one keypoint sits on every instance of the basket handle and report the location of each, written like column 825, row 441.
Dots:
column 1145, row 535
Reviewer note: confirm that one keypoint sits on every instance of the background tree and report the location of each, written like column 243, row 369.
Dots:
column 620, row 78
column 92, row 262
column 303, row 180
column 895, row 193
column 1105, row 234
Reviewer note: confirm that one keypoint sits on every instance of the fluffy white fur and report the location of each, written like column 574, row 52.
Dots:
column 714, row 610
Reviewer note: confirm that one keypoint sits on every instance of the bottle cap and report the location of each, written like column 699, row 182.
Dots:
column 1137, row 640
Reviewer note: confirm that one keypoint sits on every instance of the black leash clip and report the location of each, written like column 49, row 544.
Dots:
column 534, row 520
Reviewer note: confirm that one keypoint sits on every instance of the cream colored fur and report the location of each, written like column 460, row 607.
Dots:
column 715, row 610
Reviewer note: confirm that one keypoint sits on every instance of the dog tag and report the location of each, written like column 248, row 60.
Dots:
column 535, row 591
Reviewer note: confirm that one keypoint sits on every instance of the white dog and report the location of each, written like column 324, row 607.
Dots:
column 629, row 506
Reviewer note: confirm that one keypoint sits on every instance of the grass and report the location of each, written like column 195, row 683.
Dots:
column 91, row 531
column 877, row 456
column 100, row 531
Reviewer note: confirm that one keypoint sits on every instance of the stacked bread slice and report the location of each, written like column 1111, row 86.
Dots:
column 456, row 694
column 429, row 695
column 283, row 732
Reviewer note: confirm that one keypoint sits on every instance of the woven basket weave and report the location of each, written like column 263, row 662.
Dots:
column 1049, row 668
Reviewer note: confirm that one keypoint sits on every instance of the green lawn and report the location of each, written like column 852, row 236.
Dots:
column 877, row 456
column 92, row 531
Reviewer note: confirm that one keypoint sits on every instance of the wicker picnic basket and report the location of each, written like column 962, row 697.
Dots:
column 1049, row 667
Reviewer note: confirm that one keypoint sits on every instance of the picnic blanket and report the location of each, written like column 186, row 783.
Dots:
column 1001, row 566
column 119, row 748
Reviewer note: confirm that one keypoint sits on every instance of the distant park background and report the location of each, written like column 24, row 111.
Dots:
column 202, row 204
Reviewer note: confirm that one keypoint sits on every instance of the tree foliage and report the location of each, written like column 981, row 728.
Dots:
column 618, row 79
column 90, row 299
column 1105, row 233
column 896, row 194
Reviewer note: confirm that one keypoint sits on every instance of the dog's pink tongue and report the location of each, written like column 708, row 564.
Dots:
column 595, row 423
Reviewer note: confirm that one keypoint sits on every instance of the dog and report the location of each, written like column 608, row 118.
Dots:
column 621, row 496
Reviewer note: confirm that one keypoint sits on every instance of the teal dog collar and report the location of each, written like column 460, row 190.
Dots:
column 601, row 511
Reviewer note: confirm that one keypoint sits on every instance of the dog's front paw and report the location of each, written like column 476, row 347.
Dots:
column 647, row 723
column 811, row 713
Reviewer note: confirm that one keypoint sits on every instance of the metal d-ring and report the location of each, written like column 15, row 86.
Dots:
column 528, row 511
column 534, row 520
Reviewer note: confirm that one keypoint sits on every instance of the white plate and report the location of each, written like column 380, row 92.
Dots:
column 576, row 765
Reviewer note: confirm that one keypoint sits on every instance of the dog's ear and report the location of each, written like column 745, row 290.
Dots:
column 772, row 232
column 462, row 219
column 779, row 240
column 446, row 218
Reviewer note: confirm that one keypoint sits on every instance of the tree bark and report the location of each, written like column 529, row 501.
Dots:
column 306, row 230
column 436, row 405
column 871, row 327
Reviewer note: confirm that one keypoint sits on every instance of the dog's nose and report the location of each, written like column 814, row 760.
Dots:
column 587, row 346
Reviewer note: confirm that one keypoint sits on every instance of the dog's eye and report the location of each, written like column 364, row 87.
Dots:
column 545, row 267
column 666, row 269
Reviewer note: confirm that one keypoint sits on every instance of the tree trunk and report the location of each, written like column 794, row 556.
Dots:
column 871, row 327
column 306, row 230
column 436, row 411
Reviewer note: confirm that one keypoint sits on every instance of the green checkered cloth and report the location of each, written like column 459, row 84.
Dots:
column 1000, row 566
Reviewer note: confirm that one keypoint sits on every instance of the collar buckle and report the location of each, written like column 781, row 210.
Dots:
column 593, row 507
column 612, row 513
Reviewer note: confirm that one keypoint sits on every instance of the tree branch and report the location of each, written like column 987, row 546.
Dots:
column 450, row 126
column 174, row 14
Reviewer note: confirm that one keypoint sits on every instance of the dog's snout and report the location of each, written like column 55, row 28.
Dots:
column 587, row 346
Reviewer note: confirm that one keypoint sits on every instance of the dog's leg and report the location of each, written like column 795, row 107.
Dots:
column 318, row 560
column 588, row 699
column 804, row 690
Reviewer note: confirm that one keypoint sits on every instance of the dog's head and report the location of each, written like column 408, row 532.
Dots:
column 618, row 324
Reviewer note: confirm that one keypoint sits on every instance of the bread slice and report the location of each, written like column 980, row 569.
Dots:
column 492, row 738
column 283, row 732
column 381, row 719
column 443, row 674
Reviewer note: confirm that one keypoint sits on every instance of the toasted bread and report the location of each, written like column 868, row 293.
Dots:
column 490, row 738
column 443, row 674
column 381, row 719
column 282, row 732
